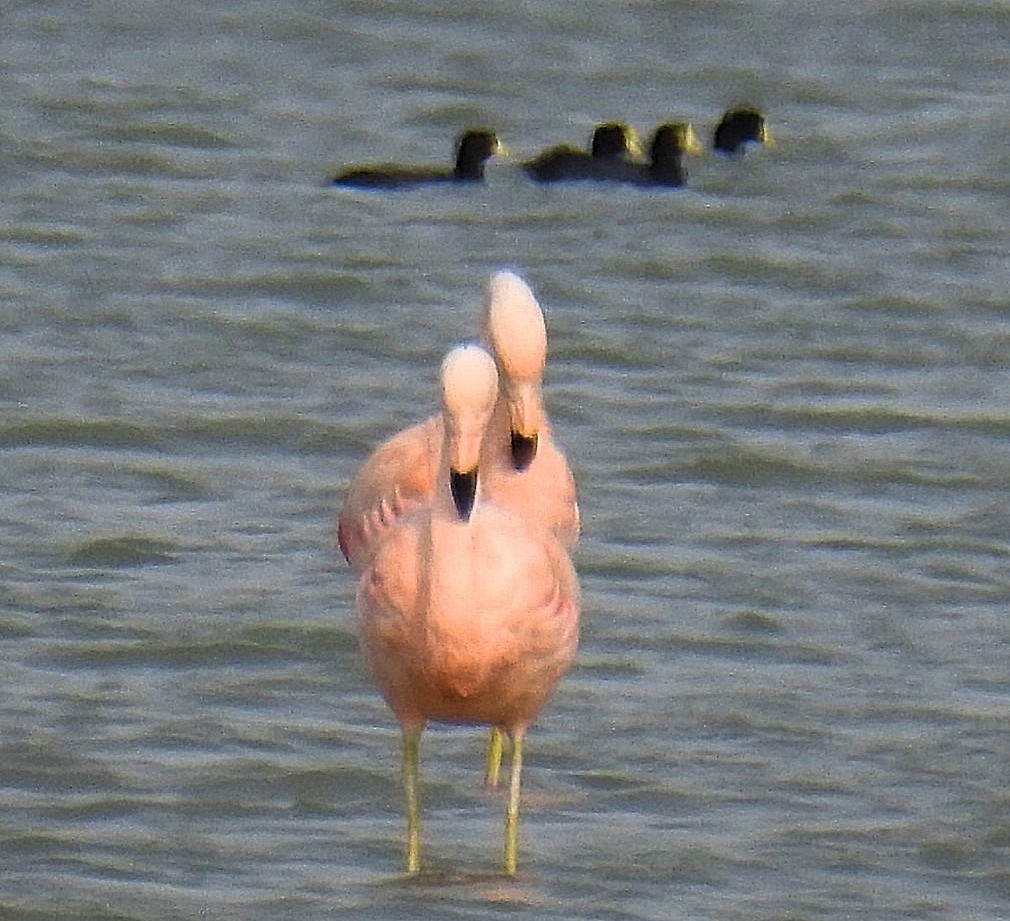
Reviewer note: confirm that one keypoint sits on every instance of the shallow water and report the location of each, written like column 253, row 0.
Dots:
column 783, row 391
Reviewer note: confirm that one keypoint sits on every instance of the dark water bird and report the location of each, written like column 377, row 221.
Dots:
column 670, row 142
column 613, row 147
column 473, row 149
column 738, row 129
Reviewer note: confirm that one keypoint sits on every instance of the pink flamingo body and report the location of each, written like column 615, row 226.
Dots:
column 397, row 478
column 485, row 609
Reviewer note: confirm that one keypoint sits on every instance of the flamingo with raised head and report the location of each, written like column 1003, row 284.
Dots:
column 468, row 612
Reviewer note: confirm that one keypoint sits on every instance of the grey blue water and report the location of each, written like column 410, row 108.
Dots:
column 784, row 391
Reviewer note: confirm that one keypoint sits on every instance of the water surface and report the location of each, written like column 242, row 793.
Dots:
column 783, row 391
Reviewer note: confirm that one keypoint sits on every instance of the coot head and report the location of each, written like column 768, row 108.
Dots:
column 672, row 140
column 474, row 148
column 614, row 141
column 738, row 128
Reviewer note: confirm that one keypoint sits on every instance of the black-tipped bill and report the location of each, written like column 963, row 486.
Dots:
column 463, row 487
column 524, row 449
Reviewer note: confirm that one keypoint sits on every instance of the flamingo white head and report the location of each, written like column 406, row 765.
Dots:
column 469, row 391
column 515, row 330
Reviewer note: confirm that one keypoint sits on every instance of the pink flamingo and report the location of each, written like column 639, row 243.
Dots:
column 467, row 613
column 524, row 470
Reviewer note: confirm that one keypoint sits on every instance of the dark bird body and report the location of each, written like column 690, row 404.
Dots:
column 609, row 155
column 670, row 142
column 474, row 148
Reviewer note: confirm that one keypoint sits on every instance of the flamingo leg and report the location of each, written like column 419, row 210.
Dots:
column 512, row 809
column 411, row 791
column 492, row 768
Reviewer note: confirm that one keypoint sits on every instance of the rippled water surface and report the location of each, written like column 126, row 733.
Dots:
column 784, row 392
